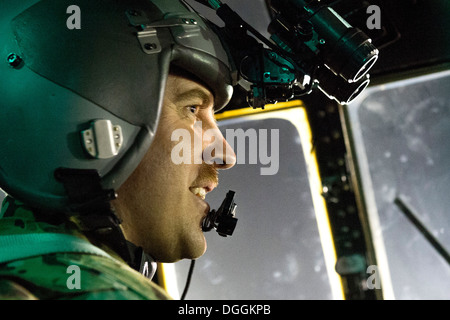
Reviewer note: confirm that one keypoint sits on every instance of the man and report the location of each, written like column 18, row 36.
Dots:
column 160, row 203
column 87, row 160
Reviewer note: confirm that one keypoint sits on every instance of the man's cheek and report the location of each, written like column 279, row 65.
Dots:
column 187, row 145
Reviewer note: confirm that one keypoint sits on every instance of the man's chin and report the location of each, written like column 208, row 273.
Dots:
column 197, row 248
column 194, row 250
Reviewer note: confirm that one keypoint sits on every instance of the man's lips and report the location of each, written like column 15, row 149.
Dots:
column 199, row 192
column 202, row 188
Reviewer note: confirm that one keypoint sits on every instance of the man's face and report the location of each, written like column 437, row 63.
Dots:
column 161, row 203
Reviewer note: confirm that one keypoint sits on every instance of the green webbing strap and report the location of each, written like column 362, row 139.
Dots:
column 22, row 246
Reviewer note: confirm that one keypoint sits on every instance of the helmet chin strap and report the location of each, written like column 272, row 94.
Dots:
column 141, row 261
column 91, row 203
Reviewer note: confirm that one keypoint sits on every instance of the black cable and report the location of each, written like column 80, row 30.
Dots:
column 416, row 222
column 188, row 280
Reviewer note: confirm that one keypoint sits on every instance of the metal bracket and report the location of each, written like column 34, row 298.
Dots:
column 148, row 34
column 102, row 140
column 148, row 38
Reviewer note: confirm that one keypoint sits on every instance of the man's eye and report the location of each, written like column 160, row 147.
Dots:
column 193, row 109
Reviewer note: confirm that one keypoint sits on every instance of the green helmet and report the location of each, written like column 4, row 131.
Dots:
column 88, row 95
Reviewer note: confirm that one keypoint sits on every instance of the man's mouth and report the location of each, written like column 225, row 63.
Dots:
column 199, row 192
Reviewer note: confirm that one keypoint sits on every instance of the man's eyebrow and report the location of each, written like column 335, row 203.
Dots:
column 195, row 94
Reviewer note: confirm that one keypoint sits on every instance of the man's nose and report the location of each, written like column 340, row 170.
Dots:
column 228, row 156
column 217, row 151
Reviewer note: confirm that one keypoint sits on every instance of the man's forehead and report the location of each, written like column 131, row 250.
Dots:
column 181, row 89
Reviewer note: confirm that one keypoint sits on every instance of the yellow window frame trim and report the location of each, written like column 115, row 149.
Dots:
column 166, row 272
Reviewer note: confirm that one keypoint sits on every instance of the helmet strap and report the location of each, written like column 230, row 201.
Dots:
column 91, row 203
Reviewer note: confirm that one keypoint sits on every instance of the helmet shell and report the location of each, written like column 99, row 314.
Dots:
column 71, row 77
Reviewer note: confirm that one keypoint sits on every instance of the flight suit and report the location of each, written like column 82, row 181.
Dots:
column 43, row 260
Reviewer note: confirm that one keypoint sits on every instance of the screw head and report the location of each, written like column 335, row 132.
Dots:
column 14, row 60
column 133, row 12
column 150, row 46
